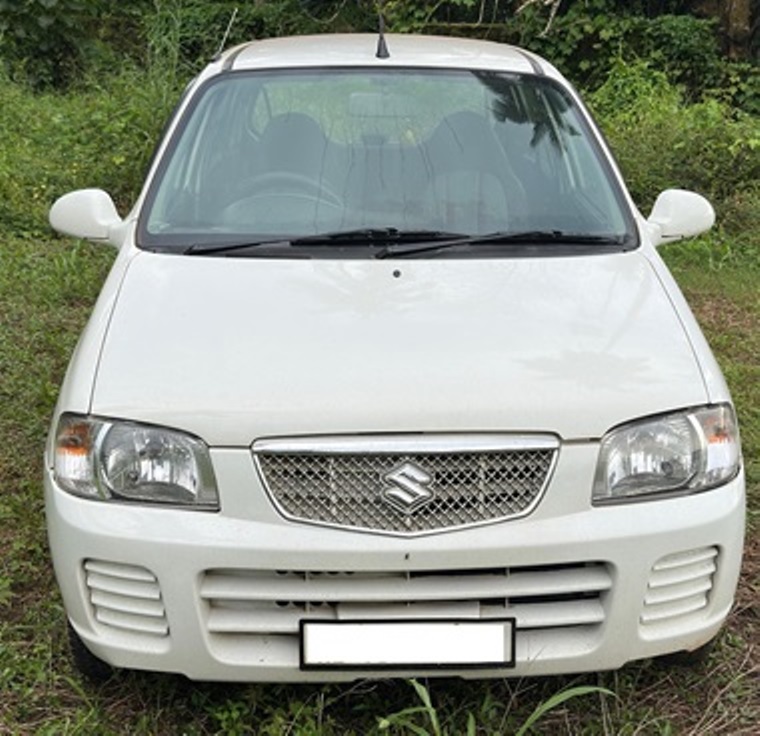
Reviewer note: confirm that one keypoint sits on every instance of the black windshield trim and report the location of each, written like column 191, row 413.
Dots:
column 462, row 248
column 481, row 251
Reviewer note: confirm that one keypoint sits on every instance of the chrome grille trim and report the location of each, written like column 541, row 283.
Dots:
column 454, row 481
column 391, row 444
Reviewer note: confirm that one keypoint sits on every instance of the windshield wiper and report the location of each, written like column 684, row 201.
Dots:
column 376, row 236
column 529, row 237
column 359, row 236
column 199, row 249
column 399, row 243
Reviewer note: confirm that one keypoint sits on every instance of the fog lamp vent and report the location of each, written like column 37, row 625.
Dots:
column 126, row 597
column 679, row 585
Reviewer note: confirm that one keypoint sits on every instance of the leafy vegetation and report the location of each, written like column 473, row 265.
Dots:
column 663, row 141
column 88, row 128
column 54, row 43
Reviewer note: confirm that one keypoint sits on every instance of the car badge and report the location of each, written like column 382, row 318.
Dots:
column 408, row 488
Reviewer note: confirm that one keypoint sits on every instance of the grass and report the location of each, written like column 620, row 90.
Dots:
column 47, row 286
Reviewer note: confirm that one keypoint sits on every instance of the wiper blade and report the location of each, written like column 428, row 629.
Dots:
column 359, row 236
column 198, row 249
column 400, row 243
column 376, row 236
column 528, row 237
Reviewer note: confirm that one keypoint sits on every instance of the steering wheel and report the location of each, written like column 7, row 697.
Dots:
column 289, row 183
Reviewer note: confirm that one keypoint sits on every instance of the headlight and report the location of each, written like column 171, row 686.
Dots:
column 683, row 452
column 102, row 459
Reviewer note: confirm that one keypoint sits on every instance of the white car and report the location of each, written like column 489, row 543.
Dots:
column 388, row 378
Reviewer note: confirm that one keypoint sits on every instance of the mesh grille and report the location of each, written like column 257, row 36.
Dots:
column 406, row 493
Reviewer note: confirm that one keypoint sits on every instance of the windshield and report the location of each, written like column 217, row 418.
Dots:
column 281, row 155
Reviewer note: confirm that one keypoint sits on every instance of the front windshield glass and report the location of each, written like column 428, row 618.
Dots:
column 293, row 153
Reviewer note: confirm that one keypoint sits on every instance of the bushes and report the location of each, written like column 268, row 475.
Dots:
column 102, row 132
column 662, row 141
column 41, row 39
column 50, row 143
column 52, row 43
column 103, row 136
column 49, row 43
column 586, row 42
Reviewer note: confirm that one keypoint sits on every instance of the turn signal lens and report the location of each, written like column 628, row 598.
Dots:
column 73, row 464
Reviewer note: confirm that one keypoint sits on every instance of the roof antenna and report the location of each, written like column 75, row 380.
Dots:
column 226, row 34
column 382, row 47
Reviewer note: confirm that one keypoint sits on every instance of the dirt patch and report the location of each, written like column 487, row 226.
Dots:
column 719, row 314
column 746, row 614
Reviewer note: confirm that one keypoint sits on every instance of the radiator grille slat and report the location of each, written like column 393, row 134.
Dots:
column 275, row 620
column 400, row 587
column 261, row 603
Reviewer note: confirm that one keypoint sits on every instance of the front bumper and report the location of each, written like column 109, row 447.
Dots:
column 220, row 596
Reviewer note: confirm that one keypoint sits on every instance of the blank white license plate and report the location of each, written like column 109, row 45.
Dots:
column 404, row 644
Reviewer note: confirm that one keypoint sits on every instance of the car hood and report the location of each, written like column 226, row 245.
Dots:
column 236, row 349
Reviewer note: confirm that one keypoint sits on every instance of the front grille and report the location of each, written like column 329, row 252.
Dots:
column 406, row 485
column 266, row 603
column 125, row 597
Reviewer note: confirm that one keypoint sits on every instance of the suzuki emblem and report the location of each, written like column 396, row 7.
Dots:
column 408, row 489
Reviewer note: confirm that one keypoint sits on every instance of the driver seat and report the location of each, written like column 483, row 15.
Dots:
column 292, row 143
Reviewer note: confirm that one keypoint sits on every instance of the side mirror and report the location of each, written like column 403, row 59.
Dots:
column 86, row 213
column 679, row 214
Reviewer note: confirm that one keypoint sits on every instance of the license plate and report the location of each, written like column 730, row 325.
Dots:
column 408, row 644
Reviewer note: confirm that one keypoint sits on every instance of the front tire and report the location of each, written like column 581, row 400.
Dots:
column 694, row 658
column 87, row 664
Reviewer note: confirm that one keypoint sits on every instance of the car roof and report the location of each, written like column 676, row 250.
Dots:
column 341, row 50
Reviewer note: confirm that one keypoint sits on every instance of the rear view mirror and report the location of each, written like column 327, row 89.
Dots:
column 679, row 214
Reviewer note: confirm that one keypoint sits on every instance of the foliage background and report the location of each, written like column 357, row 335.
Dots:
column 648, row 66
